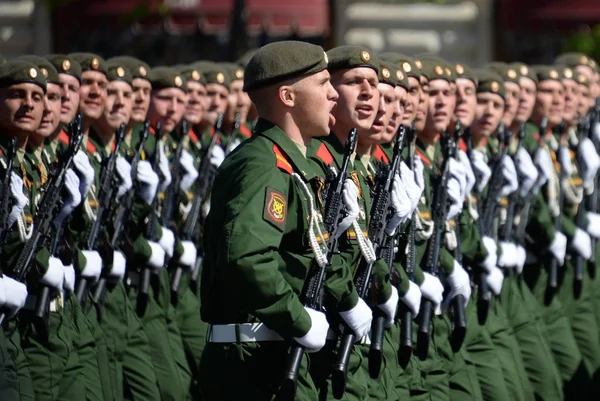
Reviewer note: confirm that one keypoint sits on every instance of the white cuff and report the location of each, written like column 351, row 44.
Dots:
column 118, row 267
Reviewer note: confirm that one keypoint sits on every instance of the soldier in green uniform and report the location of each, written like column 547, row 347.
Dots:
column 238, row 105
column 263, row 226
column 195, row 83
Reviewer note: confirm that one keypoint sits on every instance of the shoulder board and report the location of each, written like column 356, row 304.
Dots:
column 424, row 159
column 193, row 136
column 245, row 131
column 281, row 161
column 212, row 132
column 113, row 146
column 63, row 137
column 324, row 154
column 462, row 145
column 152, row 131
column 90, row 146
column 380, row 155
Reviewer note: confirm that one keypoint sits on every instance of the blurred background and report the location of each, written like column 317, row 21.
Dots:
column 473, row 32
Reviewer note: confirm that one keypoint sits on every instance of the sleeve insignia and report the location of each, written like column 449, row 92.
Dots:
column 275, row 211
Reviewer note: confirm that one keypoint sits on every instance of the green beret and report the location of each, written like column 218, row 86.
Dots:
column 44, row 66
column 405, row 63
column 138, row 68
column 15, row 72
column 462, row 71
column 217, row 74
column 582, row 79
column 575, row 59
column 387, row 73
column 192, row 74
column 90, row 62
column 436, row 68
column 167, row 77
column 508, row 73
column 525, row 71
column 65, row 65
column 280, row 61
column 546, row 73
column 351, row 56
column 565, row 72
column 490, row 81
column 118, row 72
column 243, row 61
column 235, row 71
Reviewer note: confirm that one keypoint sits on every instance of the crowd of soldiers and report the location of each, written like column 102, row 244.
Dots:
column 299, row 224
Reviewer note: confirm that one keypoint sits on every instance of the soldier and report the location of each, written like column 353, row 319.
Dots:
column 218, row 80
column 238, row 105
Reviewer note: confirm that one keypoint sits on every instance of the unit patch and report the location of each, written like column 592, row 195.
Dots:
column 275, row 210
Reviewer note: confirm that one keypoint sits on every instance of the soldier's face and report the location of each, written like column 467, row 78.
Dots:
column 513, row 92
column 359, row 98
column 239, row 102
column 397, row 115
column 92, row 94
column 549, row 102
column 440, row 106
column 466, row 101
column 118, row 105
column 571, row 100
column 52, row 108
column 194, row 107
column 141, row 99
column 21, row 108
column 385, row 110
column 217, row 96
column 583, row 104
column 69, row 102
column 590, row 74
column 421, row 116
column 488, row 114
column 412, row 103
column 526, row 100
column 167, row 105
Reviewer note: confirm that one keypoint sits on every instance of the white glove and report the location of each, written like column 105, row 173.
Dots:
column 558, row 247
column 459, row 284
column 217, row 155
column 233, row 144
column 316, row 337
column 189, row 171
column 69, row 278
column 589, row 160
column 521, row 256
column 20, row 200
column 350, row 200
column 492, row 258
column 157, row 256
column 85, row 171
column 458, row 172
column 564, row 157
column 582, row 244
column 55, row 274
column 593, row 226
column 71, row 197
column 93, row 265
column 470, row 175
column 118, row 267
column 527, row 171
column 419, row 177
column 148, row 180
column 164, row 167
column 455, row 197
column 402, row 206
column 188, row 257
column 508, row 258
column 432, row 290
column 124, row 172
column 509, row 172
column 389, row 308
column 359, row 318
column 412, row 298
column 413, row 190
column 16, row 294
column 494, row 279
column 481, row 169
column 167, row 241
column 596, row 131
column 546, row 167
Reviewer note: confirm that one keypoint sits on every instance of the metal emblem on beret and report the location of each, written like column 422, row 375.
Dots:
column 399, row 75
column 32, row 73
column 66, row 65
column 178, row 81
column 524, row 70
column 406, row 67
column 120, row 72
column 581, row 78
column 583, row 60
column 448, row 72
column 195, row 75
column 419, row 64
column 386, row 73
column 326, row 58
column 220, row 78
column 592, row 64
column 512, row 74
column 460, row 69
column 553, row 74
column 143, row 71
column 95, row 64
column 365, row 56
column 439, row 70
column 239, row 74
column 494, row 86
column 568, row 73
column 45, row 72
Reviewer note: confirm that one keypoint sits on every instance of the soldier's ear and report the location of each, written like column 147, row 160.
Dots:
column 287, row 96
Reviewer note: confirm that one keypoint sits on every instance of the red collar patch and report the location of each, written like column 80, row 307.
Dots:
column 380, row 155
column 424, row 158
column 245, row 131
column 63, row 137
column 324, row 154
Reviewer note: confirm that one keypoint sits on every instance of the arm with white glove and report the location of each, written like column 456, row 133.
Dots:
column 148, row 180
column 509, row 173
column 350, row 202
column 71, row 197
column 455, row 197
column 85, row 172
column 316, row 336
column 401, row 204
column 189, row 171
column 123, row 169
column 581, row 244
column 527, row 171
column 19, row 199
column 12, row 295
column 469, row 173
column 460, row 285
column 481, row 169
column 589, row 160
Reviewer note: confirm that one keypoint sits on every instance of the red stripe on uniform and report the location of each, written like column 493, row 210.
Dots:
column 281, row 160
column 245, row 131
column 193, row 136
column 380, row 155
column 324, row 154
column 63, row 137
column 424, row 159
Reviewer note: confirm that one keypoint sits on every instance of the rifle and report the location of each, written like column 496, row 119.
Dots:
column 5, row 193
column 172, row 193
column 583, row 128
column 107, row 193
column 311, row 295
column 203, row 186
column 45, row 213
column 122, row 215
column 234, row 131
column 506, row 233
column 439, row 211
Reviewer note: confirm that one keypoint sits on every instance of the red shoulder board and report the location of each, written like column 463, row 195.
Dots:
column 245, row 131
column 324, row 154
column 380, row 155
column 113, row 146
column 212, row 132
column 152, row 130
column 424, row 159
column 462, row 145
column 281, row 161
column 193, row 136
column 63, row 137
column 90, row 146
